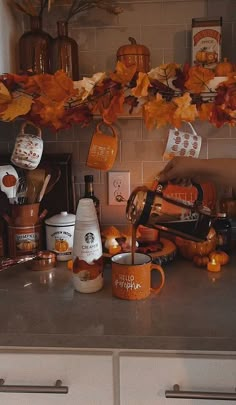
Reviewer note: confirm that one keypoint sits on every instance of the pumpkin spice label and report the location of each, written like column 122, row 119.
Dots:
column 206, row 42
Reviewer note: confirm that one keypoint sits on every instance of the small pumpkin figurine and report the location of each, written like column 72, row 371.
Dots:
column 188, row 249
column 201, row 261
column 134, row 54
column 220, row 257
column 224, row 68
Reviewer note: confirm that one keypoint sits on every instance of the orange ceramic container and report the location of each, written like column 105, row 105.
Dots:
column 103, row 148
column 133, row 281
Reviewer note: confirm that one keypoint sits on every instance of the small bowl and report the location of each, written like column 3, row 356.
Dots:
column 45, row 260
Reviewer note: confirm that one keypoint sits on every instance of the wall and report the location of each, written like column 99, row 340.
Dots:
column 8, row 37
column 165, row 27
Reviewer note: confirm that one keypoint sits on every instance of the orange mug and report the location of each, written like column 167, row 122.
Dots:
column 103, row 148
column 133, row 281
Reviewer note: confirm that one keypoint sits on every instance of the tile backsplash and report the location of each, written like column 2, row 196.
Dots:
column 165, row 27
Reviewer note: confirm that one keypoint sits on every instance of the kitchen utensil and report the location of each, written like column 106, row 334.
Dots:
column 21, row 192
column 44, row 260
column 8, row 262
column 35, row 179
column 28, row 148
column 43, row 189
column 103, row 148
column 24, row 240
column 55, row 172
column 181, row 218
column 8, row 181
column 60, row 235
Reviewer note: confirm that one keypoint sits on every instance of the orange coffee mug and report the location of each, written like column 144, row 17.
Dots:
column 133, row 281
column 103, row 148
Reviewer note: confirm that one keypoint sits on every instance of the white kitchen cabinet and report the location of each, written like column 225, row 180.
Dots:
column 144, row 379
column 89, row 378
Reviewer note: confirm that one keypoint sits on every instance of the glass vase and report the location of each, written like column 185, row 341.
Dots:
column 35, row 49
column 65, row 52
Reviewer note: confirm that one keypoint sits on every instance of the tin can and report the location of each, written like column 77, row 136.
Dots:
column 24, row 240
column 206, row 42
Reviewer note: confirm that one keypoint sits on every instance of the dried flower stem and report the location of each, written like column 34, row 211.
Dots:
column 79, row 6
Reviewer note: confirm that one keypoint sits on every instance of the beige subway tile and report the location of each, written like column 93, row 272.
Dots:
column 129, row 129
column 135, row 169
column 65, row 135
column 226, row 9
column 183, row 12
column 83, row 151
column 86, row 133
column 113, row 215
column 156, row 57
column 85, row 37
column 150, row 171
column 180, row 55
column 221, row 148
column 164, row 36
column 141, row 14
column 142, row 151
column 111, row 38
column 208, row 131
column 157, row 133
column 50, row 147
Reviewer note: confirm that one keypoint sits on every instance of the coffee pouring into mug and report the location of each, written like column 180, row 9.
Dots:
column 154, row 209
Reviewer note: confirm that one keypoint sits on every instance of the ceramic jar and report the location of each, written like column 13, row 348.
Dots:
column 60, row 235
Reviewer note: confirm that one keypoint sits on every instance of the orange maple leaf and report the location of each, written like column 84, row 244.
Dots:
column 141, row 89
column 198, row 79
column 205, row 111
column 115, row 108
column 158, row 112
column 123, row 74
column 185, row 110
column 57, row 87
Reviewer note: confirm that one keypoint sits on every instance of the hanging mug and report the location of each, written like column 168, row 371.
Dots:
column 28, row 148
column 181, row 143
column 103, row 148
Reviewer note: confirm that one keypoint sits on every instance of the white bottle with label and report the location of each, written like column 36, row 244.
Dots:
column 87, row 249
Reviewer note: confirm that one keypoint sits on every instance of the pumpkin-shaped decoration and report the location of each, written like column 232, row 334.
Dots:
column 211, row 57
column 188, row 249
column 201, row 261
column 61, row 245
column 27, row 245
column 224, row 68
column 134, row 54
column 9, row 180
column 201, row 56
column 219, row 257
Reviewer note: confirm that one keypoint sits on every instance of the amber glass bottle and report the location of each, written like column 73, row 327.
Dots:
column 89, row 193
column 35, row 48
column 65, row 52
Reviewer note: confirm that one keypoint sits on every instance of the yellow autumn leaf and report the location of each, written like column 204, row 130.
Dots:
column 5, row 96
column 198, row 79
column 164, row 72
column 185, row 110
column 123, row 74
column 20, row 105
column 143, row 82
column 158, row 113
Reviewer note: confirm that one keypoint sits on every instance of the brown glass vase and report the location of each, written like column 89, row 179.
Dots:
column 65, row 52
column 35, row 49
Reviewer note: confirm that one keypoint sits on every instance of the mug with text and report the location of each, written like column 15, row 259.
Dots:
column 133, row 281
column 181, row 143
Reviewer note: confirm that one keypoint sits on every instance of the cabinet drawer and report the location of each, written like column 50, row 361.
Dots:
column 144, row 380
column 87, row 376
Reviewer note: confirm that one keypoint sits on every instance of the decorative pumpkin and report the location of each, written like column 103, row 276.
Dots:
column 9, row 180
column 61, row 245
column 188, row 249
column 219, row 257
column 201, row 261
column 27, row 245
column 224, row 68
column 134, row 53
column 201, row 56
column 211, row 57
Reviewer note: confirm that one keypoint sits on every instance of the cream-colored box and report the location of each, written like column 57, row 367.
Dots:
column 206, row 42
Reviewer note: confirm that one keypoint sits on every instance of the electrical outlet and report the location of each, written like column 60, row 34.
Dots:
column 118, row 188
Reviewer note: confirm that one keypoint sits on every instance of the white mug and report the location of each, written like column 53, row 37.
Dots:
column 182, row 143
column 8, row 180
column 28, row 148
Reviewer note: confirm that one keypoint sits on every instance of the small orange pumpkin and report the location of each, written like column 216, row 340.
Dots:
column 224, row 68
column 201, row 56
column 61, row 245
column 219, row 257
column 134, row 54
column 189, row 249
column 9, row 180
column 201, row 261
column 211, row 57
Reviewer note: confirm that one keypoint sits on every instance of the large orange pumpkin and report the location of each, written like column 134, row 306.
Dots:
column 219, row 257
column 134, row 54
column 188, row 249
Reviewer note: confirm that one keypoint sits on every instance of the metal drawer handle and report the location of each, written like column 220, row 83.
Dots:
column 176, row 393
column 36, row 389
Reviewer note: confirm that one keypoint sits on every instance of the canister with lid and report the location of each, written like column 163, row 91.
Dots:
column 60, row 235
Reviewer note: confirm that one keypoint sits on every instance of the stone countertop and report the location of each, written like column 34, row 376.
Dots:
column 196, row 310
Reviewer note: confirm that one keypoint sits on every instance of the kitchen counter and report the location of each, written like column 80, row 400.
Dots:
column 196, row 310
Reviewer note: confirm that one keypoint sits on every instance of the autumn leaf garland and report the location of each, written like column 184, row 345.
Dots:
column 167, row 95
